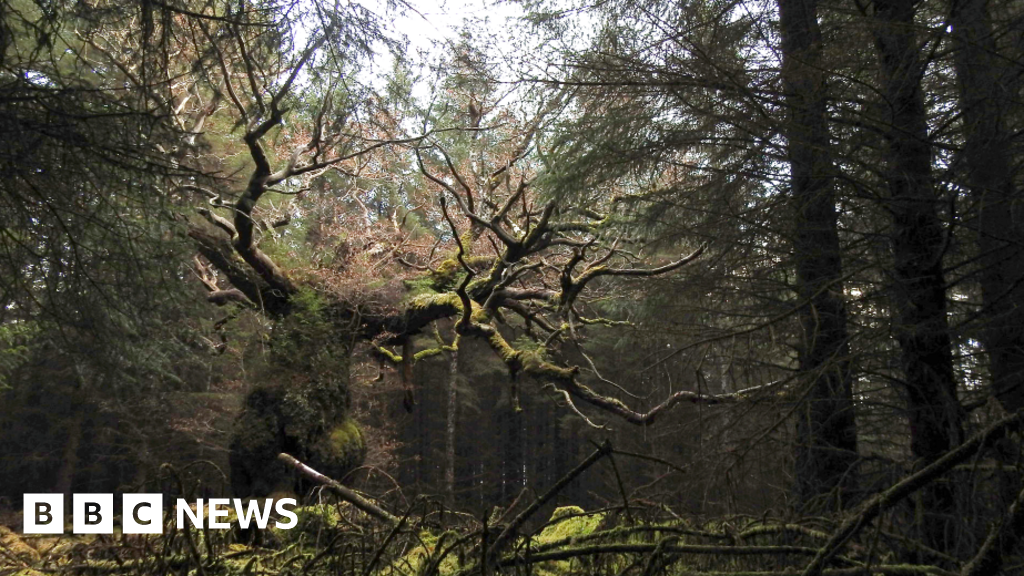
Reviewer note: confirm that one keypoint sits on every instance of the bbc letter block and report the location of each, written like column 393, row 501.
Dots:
column 93, row 513
column 142, row 514
column 44, row 514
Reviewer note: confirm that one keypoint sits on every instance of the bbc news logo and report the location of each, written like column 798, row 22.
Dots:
column 144, row 513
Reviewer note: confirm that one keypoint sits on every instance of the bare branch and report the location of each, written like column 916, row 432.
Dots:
column 219, row 221
column 572, row 290
column 467, row 303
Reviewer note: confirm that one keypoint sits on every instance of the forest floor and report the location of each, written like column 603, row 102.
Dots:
column 336, row 539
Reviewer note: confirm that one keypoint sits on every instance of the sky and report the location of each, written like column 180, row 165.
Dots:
column 430, row 24
column 438, row 20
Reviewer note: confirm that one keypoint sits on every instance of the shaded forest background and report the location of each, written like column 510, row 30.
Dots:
column 770, row 251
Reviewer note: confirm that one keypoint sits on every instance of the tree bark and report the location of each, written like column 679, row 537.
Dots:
column 450, row 425
column 918, row 243
column 69, row 460
column 990, row 183
column 826, row 429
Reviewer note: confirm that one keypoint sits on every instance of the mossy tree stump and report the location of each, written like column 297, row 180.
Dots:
column 304, row 411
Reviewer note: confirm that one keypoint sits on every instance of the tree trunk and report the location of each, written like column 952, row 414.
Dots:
column 422, row 446
column 826, row 429
column 990, row 182
column 451, row 415
column 69, row 460
column 305, row 412
column 918, row 243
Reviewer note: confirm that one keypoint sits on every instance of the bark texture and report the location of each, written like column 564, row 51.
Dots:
column 989, row 179
column 451, row 419
column 918, row 245
column 826, row 429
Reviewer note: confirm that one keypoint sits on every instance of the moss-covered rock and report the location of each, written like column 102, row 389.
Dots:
column 569, row 522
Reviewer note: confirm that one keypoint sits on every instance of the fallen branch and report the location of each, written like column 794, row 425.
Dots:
column 887, row 570
column 871, row 509
column 623, row 533
column 695, row 549
column 346, row 494
column 510, row 531
column 175, row 562
column 1002, row 536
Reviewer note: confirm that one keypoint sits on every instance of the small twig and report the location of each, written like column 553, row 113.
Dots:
column 572, row 406
column 989, row 558
column 651, row 459
column 387, row 540
column 622, row 489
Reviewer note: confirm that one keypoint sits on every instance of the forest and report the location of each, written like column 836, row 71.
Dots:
column 616, row 287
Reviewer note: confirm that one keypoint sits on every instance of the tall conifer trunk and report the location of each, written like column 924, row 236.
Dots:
column 826, row 429
column 918, row 242
column 989, row 179
column 450, row 426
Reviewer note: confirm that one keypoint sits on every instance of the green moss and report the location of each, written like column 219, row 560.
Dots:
column 502, row 348
column 347, row 440
column 431, row 352
column 565, row 512
column 431, row 300
column 17, row 547
column 420, row 286
column 391, row 356
column 566, row 524
column 446, row 271
column 420, row 557
column 312, row 521
column 446, row 300
column 476, row 283
column 480, row 315
column 448, row 274
column 569, row 522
